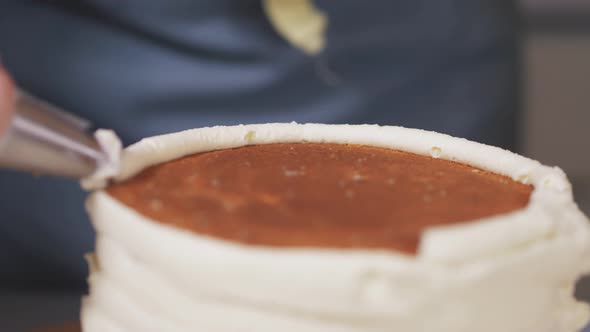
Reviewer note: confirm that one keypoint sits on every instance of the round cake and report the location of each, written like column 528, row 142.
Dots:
column 288, row 227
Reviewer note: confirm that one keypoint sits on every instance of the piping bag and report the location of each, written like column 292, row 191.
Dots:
column 45, row 140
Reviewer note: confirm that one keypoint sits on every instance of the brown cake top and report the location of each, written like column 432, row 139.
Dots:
column 66, row 327
column 317, row 195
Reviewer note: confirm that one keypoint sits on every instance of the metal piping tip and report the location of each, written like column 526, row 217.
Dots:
column 45, row 140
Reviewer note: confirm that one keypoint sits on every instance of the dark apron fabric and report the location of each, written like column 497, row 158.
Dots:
column 145, row 67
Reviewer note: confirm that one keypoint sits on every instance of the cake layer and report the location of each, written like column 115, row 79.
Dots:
column 318, row 195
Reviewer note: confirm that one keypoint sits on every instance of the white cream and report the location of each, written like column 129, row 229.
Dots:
column 510, row 273
column 109, row 167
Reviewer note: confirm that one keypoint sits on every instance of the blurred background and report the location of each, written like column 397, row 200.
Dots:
column 553, row 129
column 557, row 93
column 557, row 88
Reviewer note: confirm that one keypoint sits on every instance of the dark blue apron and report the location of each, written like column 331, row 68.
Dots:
column 145, row 67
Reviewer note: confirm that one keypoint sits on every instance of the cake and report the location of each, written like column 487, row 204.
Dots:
column 289, row 227
column 64, row 327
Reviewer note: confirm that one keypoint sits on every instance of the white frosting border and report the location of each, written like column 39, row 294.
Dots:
column 550, row 237
column 488, row 236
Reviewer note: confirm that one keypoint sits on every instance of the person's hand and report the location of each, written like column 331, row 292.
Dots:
column 7, row 99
